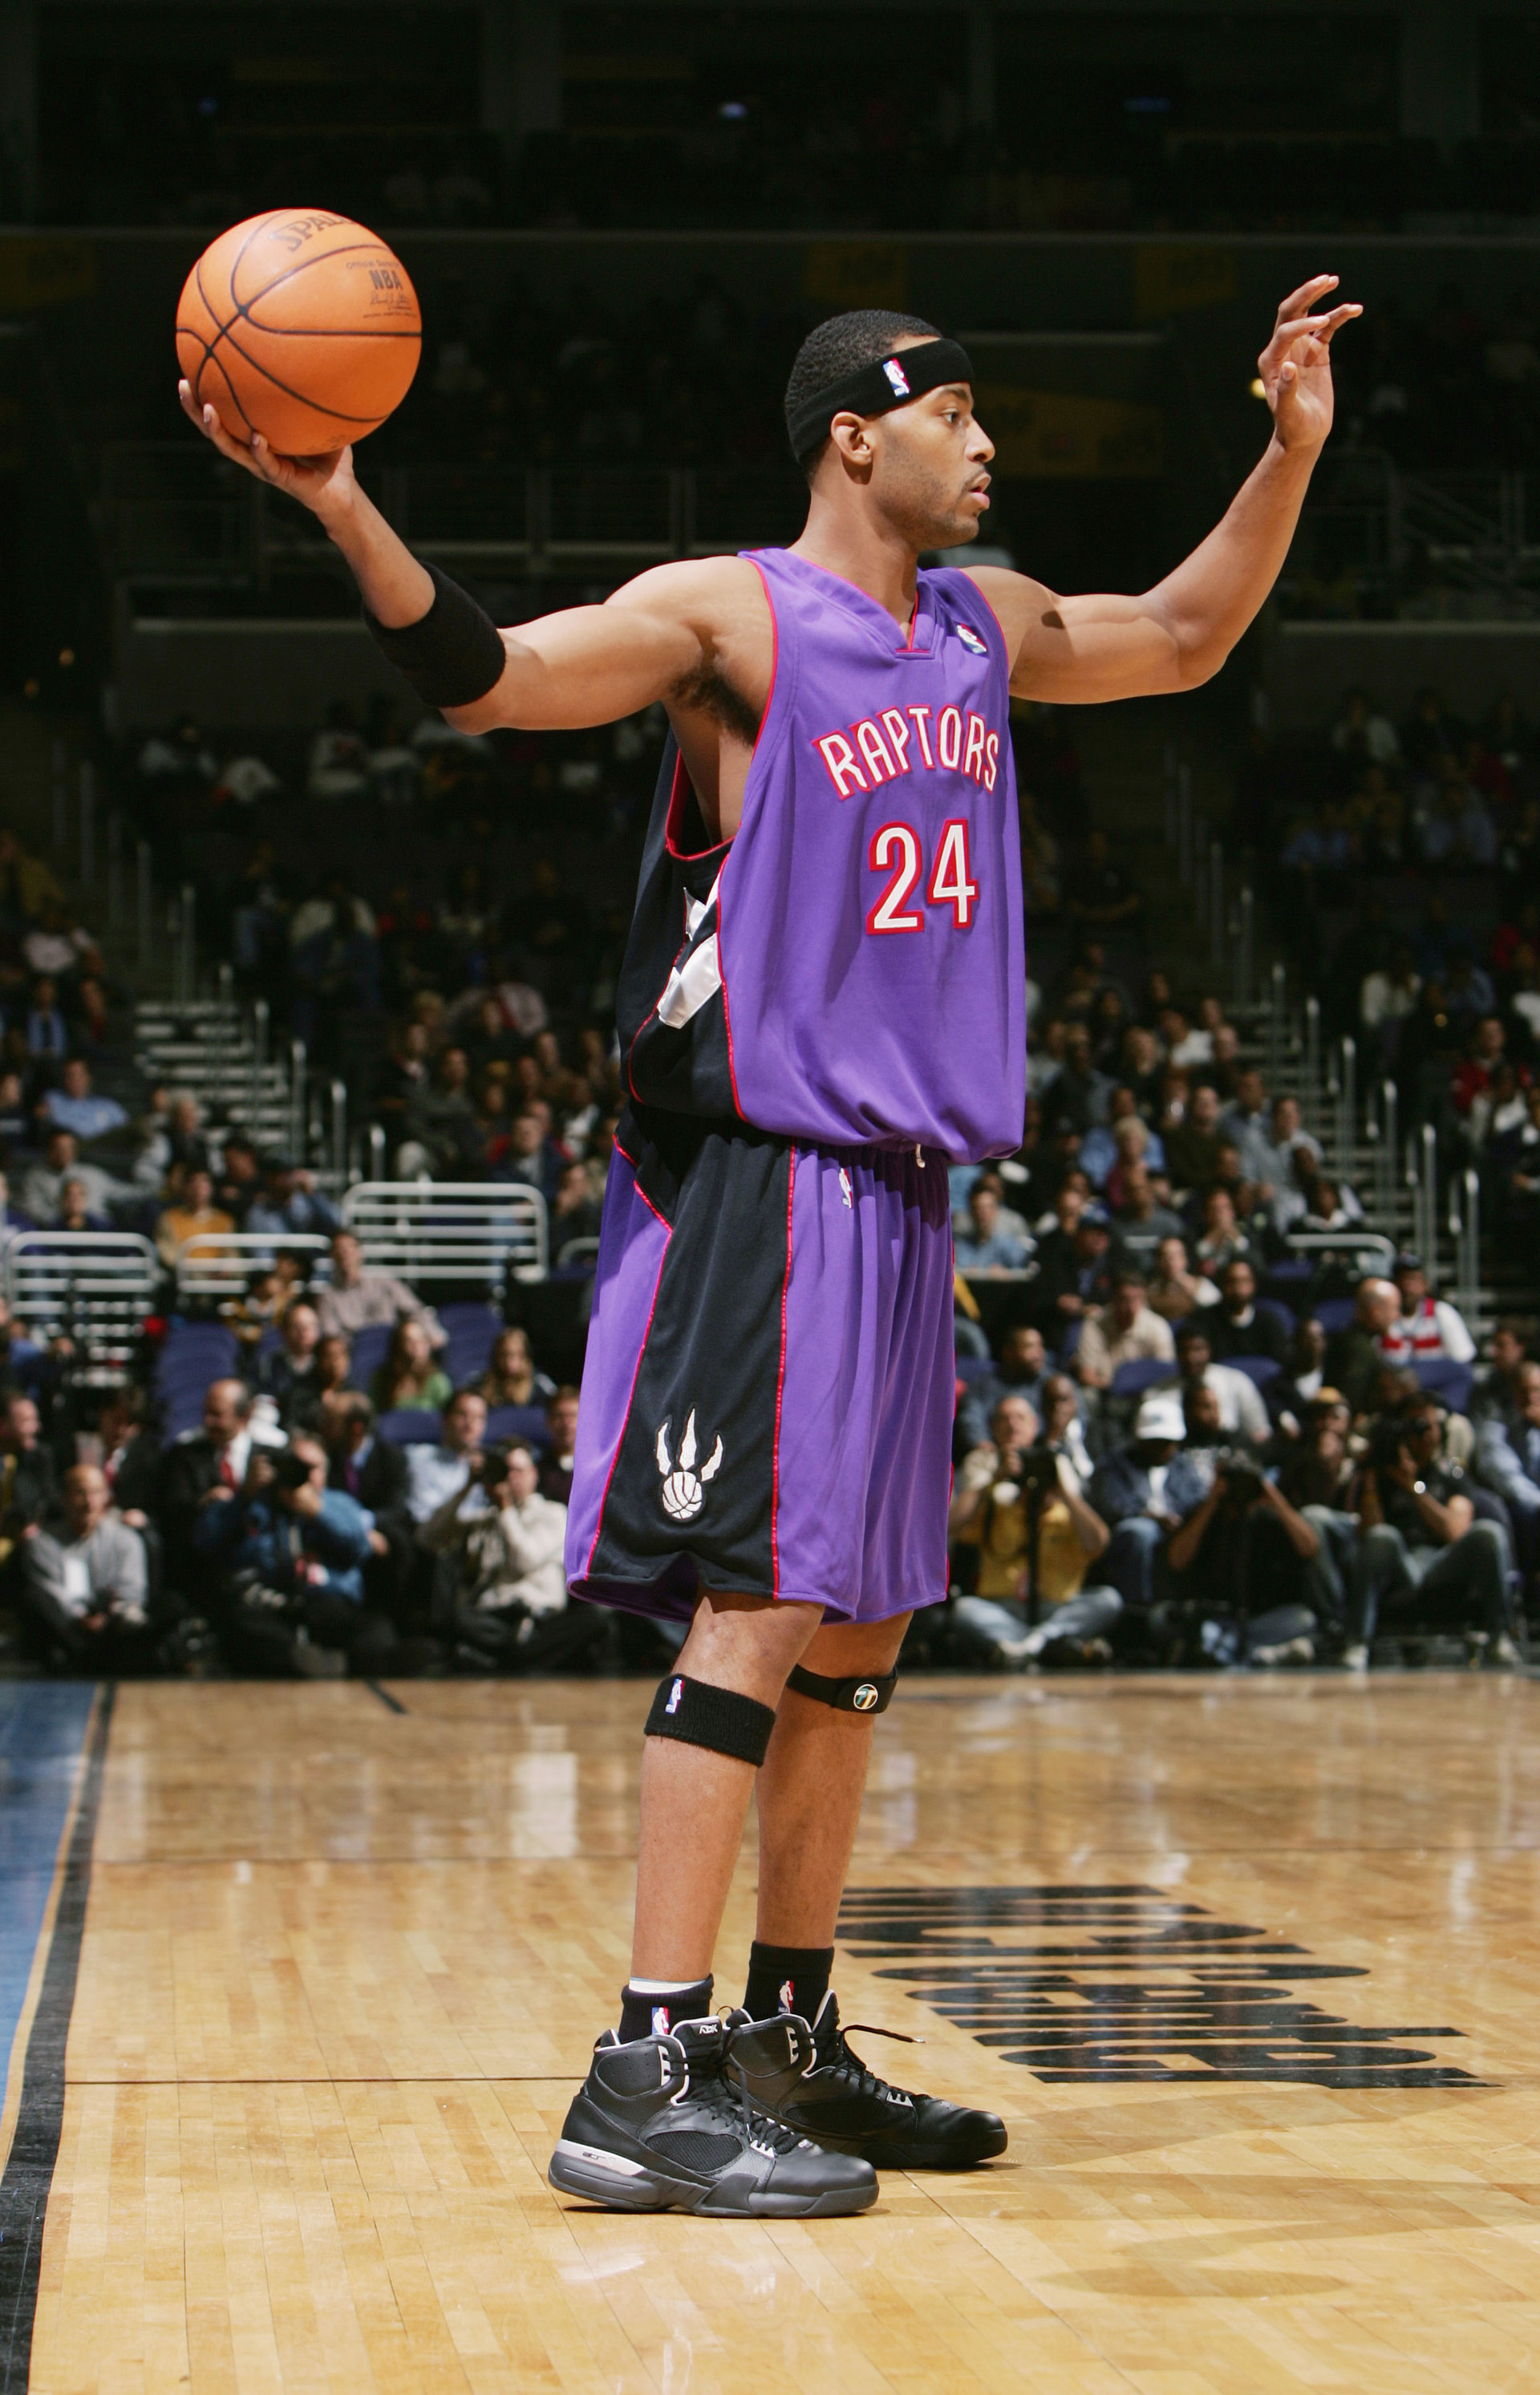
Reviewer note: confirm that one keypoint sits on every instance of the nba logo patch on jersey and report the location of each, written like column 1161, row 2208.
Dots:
column 847, row 1192
column 787, row 1997
column 661, row 2020
column 970, row 639
column 896, row 376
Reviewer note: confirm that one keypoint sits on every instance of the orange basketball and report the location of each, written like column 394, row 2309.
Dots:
column 300, row 325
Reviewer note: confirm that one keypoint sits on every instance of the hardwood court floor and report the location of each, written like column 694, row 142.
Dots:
column 342, row 1965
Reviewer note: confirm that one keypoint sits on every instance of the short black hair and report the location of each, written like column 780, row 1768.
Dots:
column 841, row 346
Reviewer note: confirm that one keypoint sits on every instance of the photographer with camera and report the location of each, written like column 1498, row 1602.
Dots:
column 1019, row 1503
column 287, row 1557
column 1422, row 1555
column 500, row 1594
column 1248, row 1569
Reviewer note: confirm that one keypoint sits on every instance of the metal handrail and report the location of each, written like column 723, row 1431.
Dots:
column 218, row 1263
column 450, row 1230
column 1355, row 1236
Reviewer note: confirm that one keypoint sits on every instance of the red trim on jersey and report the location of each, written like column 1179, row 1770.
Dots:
column 780, row 1381
column 721, row 950
column 650, row 1206
column 682, row 783
column 914, row 618
column 630, row 1400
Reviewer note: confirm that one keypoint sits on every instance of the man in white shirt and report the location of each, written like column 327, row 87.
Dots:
column 1426, row 1325
column 436, row 1473
column 502, row 1585
column 1126, row 1331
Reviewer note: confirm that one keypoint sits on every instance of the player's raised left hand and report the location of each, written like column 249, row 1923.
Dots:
column 1295, row 368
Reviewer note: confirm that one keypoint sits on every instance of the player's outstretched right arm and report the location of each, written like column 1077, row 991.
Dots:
column 582, row 666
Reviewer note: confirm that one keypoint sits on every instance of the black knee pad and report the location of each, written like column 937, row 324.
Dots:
column 699, row 1714
column 860, row 1694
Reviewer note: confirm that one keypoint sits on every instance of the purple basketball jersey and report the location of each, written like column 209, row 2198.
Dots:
column 849, row 970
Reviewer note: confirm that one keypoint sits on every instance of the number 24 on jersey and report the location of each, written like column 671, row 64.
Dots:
column 897, row 851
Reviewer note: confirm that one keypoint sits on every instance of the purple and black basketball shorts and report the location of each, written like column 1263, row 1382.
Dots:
column 768, row 1393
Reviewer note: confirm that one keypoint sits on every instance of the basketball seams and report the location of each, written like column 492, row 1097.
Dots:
column 317, row 407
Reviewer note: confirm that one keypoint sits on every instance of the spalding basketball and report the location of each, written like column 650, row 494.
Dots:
column 300, row 325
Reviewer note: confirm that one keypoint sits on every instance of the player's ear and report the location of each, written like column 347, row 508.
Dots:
column 852, row 438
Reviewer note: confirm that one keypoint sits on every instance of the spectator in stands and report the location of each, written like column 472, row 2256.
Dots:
column 131, row 1454
column 85, row 1578
column 1484, row 1052
column 287, row 1373
column 1123, row 1331
column 1063, row 1431
column 374, row 1473
column 1247, row 1125
column 409, row 1380
column 287, row 1554
column 560, row 1444
column 1247, row 1567
column 1508, row 1460
column 1175, row 1290
column 1100, row 893
column 1515, row 1164
column 1425, row 1326
column 1238, row 1326
column 1354, row 1353
column 986, row 1246
column 357, row 1300
column 76, row 1107
column 1385, row 997
column 46, row 1033
column 998, row 1488
column 1072, row 1264
column 1303, row 1379
column 42, row 1188
column 15, row 1126
column 502, row 1600
column 1143, row 1491
column 74, row 1213
column 29, row 1484
column 1222, row 1236
column 290, row 1201
column 1286, row 1159
column 1222, row 1073
column 1241, row 1411
column 1192, row 1146
column 1082, row 1094
column 199, row 1464
column 23, row 1362
column 1422, row 1556
column 194, row 1215
column 511, row 1377
column 1141, row 1222
column 1362, row 736
column 435, row 1473
column 240, row 1178
column 575, row 1213
column 533, row 1159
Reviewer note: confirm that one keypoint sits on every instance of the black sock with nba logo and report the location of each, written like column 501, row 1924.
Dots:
column 787, row 1980
column 654, row 2008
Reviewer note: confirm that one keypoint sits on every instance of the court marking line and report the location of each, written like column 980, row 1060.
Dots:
column 27, row 2180
column 22, row 2031
column 392, row 1704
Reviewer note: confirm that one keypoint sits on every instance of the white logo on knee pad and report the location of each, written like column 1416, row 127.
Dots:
column 864, row 1699
column 683, row 1489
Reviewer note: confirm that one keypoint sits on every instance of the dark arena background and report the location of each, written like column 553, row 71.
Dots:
column 1202, row 1837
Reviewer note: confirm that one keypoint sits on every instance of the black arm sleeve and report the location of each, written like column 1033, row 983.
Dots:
column 453, row 654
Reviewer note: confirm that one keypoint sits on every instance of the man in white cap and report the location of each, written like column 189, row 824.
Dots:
column 1143, row 1491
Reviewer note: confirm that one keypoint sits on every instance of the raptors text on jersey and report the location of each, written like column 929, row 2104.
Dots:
column 849, row 969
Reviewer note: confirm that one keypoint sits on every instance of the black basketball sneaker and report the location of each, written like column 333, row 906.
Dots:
column 809, row 2080
column 658, row 2126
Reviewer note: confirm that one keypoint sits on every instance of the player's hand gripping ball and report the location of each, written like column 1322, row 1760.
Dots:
column 300, row 326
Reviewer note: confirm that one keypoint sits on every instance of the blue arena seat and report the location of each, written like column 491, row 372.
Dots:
column 370, row 1347
column 974, row 1368
column 1446, row 1379
column 410, row 1426
column 472, row 1330
column 517, row 1422
column 1283, row 1315
column 1334, row 1314
column 1130, row 1380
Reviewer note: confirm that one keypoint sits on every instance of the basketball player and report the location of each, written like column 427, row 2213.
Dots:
column 821, row 1007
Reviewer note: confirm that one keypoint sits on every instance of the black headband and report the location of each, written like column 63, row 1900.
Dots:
column 888, row 382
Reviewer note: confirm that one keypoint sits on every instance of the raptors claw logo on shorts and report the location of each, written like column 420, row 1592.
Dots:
column 684, row 1488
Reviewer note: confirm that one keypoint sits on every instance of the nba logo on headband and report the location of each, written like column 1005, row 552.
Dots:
column 896, row 376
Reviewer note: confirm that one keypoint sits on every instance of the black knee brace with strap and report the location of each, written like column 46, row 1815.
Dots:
column 862, row 1693
column 720, row 1719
